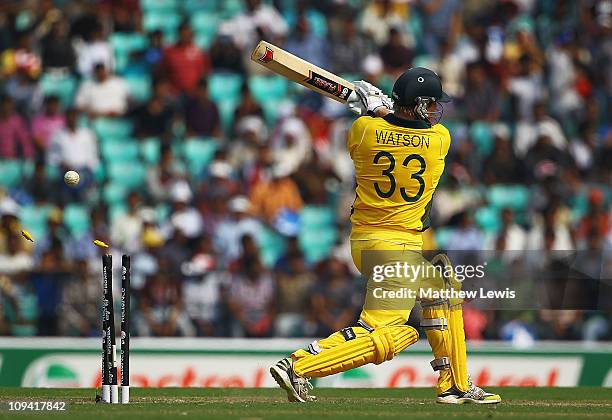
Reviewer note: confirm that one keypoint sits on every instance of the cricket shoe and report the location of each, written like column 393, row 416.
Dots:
column 474, row 394
column 297, row 388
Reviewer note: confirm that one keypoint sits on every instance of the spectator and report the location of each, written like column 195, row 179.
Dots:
column 225, row 54
column 597, row 219
column 502, row 167
column 184, row 217
column 395, row 55
column 258, row 19
column 126, row 230
column 21, row 58
column 202, row 114
column 271, row 197
column 251, row 133
column 184, row 63
column 483, row 102
column 307, row 45
column 334, row 299
column 106, row 95
column 251, row 299
column 382, row 15
column 15, row 140
column 75, row 148
column 155, row 117
column 47, row 124
column 467, row 236
column 57, row 50
column 442, row 18
column 515, row 237
column 247, row 105
column 25, row 92
column 526, row 88
column 48, row 288
column 204, row 290
column 16, row 260
column 162, row 310
column 162, row 177
column 79, row 307
column 348, row 48
column 527, row 133
column 295, row 283
column 154, row 51
column 228, row 233
column 292, row 146
column 95, row 50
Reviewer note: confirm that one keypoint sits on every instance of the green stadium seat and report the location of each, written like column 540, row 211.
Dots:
column 204, row 22
column 150, row 150
column 315, row 217
column 34, row 219
column 227, row 107
column 443, row 235
column 132, row 175
column 482, row 136
column 11, row 173
column 139, row 87
column 488, row 219
column 112, row 128
column 161, row 6
column 76, row 219
column 127, row 42
column 167, row 22
column 198, row 153
column 193, row 6
column 224, row 86
column 230, row 8
column 53, row 172
column 414, row 25
column 271, row 246
column 115, row 193
column 205, row 25
column 62, row 86
column 204, row 40
column 162, row 212
column 118, row 150
column 99, row 173
column 316, row 244
column 515, row 197
column 270, row 109
column 268, row 87
column 116, row 210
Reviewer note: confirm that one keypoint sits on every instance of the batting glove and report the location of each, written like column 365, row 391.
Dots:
column 367, row 98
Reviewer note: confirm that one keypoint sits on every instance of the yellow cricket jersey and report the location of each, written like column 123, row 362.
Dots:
column 398, row 164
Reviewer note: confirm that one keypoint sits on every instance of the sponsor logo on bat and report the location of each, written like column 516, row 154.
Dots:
column 329, row 86
column 268, row 56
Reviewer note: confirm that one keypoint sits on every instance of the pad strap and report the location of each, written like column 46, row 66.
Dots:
column 313, row 348
column 443, row 363
column 434, row 324
column 365, row 326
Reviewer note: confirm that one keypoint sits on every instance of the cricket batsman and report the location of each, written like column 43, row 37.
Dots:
column 398, row 149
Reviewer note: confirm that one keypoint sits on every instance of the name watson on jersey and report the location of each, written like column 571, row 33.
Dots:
column 435, row 294
column 402, row 139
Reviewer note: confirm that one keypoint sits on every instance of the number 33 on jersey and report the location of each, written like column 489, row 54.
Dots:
column 398, row 164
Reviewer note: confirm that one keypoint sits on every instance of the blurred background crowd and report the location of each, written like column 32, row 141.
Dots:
column 231, row 187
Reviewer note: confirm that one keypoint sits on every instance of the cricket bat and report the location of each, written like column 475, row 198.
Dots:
column 302, row 72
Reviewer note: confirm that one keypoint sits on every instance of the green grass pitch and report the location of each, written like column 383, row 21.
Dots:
column 251, row 404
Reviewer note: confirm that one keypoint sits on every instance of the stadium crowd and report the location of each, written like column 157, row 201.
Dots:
column 231, row 187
